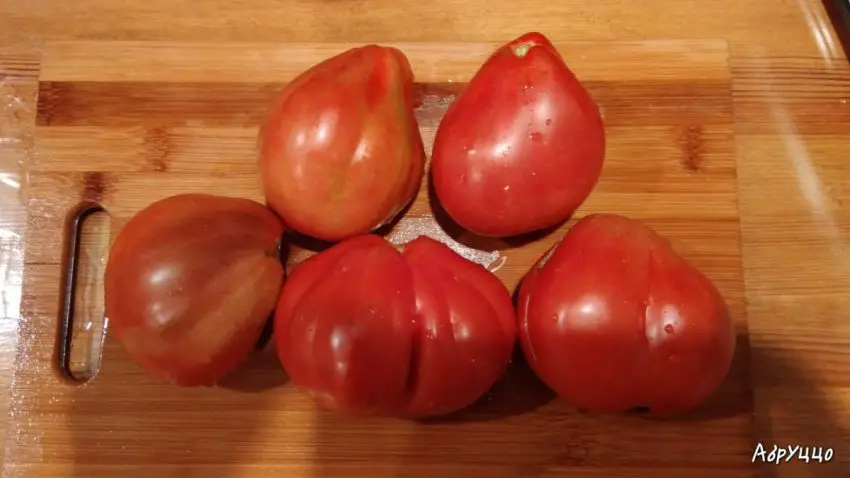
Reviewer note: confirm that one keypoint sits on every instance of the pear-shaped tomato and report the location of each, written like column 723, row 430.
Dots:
column 614, row 319
column 367, row 329
column 340, row 152
column 190, row 282
column 521, row 147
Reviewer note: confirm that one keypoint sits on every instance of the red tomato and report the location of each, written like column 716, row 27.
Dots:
column 522, row 145
column 367, row 329
column 340, row 153
column 190, row 282
column 614, row 319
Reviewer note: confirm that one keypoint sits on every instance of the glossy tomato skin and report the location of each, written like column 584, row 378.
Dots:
column 367, row 329
column 522, row 146
column 190, row 282
column 340, row 151
column 614, row 319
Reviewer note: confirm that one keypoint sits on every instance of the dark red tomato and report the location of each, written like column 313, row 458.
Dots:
column 613, row 318
column 190, row 282
column 522, row 145
column 341, row 153
column 367, row 329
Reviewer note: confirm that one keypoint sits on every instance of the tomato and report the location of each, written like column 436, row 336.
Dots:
column 521, row 147
column 190, row 282
column 614, row 319
column 340, row 151
column 367, row 329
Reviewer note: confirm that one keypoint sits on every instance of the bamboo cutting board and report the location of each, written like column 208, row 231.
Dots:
column 121, row 124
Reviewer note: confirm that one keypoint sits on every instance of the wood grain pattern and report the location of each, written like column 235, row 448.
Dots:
column 790, row 94
column 126, row 141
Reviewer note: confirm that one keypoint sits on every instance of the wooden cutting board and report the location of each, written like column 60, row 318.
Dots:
column 122, row 124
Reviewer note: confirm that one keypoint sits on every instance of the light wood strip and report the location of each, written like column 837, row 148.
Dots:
column 140, row 61
column 750, row 22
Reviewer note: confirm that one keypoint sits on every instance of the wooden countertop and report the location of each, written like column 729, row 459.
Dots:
column 790, row 101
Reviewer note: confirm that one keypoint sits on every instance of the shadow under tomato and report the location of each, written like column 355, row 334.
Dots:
column 294, row 239
column 517, row 392
column 483, row 243
column 261, row 370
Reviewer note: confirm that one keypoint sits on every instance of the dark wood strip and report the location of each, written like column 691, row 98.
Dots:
column 244, row 104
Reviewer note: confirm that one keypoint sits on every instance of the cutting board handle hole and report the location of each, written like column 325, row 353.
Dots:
column 82, row 321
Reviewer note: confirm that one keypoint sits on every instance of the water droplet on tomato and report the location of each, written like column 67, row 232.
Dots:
column 507, row 188
column 668, row 328
column 535, row 136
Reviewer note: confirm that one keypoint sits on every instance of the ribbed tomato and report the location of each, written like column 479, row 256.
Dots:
column 368, row 329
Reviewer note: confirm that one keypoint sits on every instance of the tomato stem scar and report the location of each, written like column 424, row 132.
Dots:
column 521, row 49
